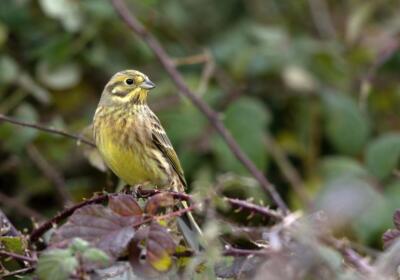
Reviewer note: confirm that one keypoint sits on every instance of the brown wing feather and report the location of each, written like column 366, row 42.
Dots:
column 162, row 142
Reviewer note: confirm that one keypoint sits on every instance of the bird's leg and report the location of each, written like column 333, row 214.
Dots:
column 126, row 189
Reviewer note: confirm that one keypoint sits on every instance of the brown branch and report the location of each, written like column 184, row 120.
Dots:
column 38, row 232
column 322, row 18
column 288, row 171
column 170, row 215
column 211, row 115
column 16, row 272
column 228, row 251
column 46, row 129
column 351, row 256
column 253, row 208
column 234, row 202
column 236, row 252
column 17, row 256
column 49, row 172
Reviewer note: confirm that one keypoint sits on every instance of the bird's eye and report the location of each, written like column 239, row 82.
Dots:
column 129, row 81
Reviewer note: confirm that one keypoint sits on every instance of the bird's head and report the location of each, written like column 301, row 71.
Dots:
column 127, row 87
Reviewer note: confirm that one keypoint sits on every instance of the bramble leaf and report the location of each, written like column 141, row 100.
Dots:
column 151, row 250
column 124, row 205
column 158, row 201
column 383, row 154
column 100, row 226
column 56, row 264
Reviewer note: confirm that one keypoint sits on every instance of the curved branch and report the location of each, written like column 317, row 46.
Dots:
column 38, row 232
column 17, row 256
column 46, row 129
column 234, row 202
column 133, row 23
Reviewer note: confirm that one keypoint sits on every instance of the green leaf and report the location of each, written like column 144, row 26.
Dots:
column 79, row 245
column 340, row 166
column 17, row 137
column 13, row 244
column 347, row 128
column 382, row 155
column 247, row 121
column 27, row 83
column 56, row 264
column 96, row 255
column 67, row 11
column 8, row 69
column 60, row 77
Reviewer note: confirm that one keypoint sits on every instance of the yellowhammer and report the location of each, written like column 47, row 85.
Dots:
column 130, row 137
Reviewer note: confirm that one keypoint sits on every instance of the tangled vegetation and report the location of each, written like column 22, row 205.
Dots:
column 285, row 125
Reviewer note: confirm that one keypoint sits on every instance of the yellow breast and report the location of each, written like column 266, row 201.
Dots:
column 126, row 151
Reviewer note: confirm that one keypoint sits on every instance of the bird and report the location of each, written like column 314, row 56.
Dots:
column 131, row 139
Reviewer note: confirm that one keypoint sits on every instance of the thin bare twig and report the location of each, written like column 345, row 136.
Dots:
column 237, row 252
column 17, row 256
column 16, row 272
column 254, row 208
column 38, row 232
column 228, row 251
column 50, row 172
column 350, row 255
column 236, row 203
column 133, row 23
column 24, row 210
column 46, row 129
column 288, row 171
column 322, row 18
column 208, row 71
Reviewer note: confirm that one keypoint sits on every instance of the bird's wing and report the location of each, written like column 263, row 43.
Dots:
column 162, row 142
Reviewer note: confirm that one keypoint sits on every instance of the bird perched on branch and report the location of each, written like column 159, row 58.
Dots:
column 131, row 139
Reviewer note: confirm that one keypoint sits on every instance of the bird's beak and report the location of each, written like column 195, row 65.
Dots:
column 147, row 84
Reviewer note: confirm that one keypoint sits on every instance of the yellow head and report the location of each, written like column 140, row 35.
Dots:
column 126, row 87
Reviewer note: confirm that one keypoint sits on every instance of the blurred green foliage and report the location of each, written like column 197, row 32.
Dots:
column 325, row 88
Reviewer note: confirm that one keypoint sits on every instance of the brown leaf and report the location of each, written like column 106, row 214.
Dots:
column 100, row 226
column 124, row 205
column 161, row 200
column 389, row 237
column 151, row 250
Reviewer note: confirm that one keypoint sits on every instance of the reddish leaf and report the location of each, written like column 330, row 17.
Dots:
column 151, row 250
column 396, row 219
column 124, row 205
column 101, row 227
column 161, row 200
column 390, row 236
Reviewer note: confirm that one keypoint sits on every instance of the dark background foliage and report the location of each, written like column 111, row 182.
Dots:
column 309, row 86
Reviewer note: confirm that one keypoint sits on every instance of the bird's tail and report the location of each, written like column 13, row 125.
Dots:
column 191, row 232
column 191, row 219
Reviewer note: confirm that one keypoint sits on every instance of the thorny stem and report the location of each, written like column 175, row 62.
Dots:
column 38, row 232
column 234, row 202
column 240, row 204
column 16, row 272
column 350, row 255
column 133, row 23
column 17, row 256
